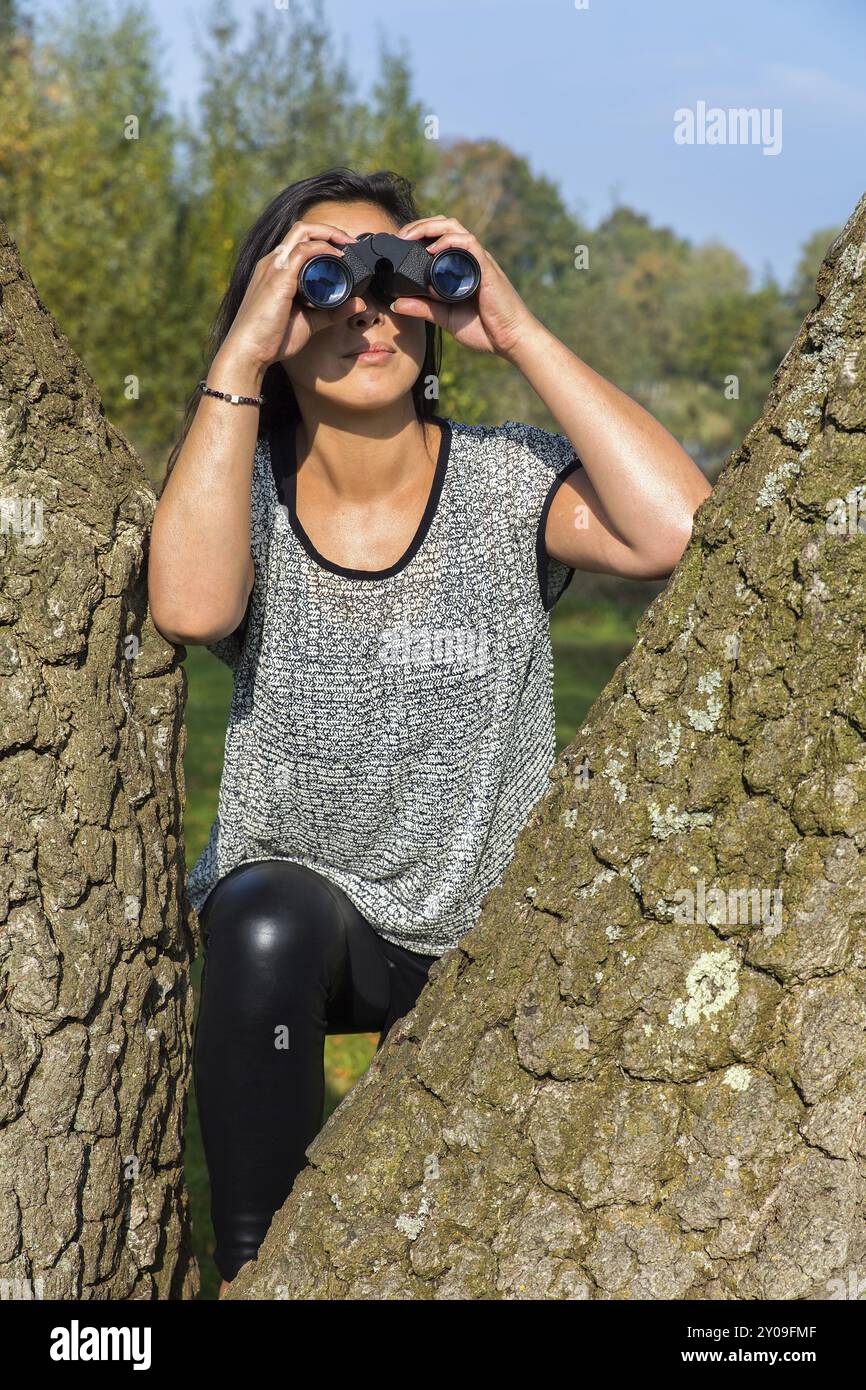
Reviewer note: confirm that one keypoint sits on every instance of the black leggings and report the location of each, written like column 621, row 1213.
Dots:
column 288, row 958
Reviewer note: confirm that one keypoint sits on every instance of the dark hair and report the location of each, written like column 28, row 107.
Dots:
column 388, row 190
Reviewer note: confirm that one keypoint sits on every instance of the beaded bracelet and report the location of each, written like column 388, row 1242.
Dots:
column 227, row 396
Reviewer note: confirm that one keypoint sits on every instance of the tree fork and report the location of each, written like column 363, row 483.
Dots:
column 594, row 1097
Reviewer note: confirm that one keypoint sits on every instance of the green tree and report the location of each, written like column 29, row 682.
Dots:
column 276, row 108
column 392, row 135
column 91, row 202
column 521, row 219
column 133, row 240
column 801, row 292
column 26, row 143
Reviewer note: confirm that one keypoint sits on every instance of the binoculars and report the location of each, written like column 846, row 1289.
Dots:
column 390, row 266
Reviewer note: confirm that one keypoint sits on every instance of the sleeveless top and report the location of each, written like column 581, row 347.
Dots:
column 393, row 729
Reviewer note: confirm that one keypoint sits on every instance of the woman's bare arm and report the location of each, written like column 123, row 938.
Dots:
column 638, row 489
column 201, row 571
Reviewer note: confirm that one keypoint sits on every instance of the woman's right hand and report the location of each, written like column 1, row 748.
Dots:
column 271, row 324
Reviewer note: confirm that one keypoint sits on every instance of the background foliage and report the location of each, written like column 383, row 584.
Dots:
column 131, row 240
column 130, row 232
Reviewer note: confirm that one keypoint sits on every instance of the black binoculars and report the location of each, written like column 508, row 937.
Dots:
column 389, row 266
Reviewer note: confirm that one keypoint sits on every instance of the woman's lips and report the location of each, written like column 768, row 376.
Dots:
column 371, row 354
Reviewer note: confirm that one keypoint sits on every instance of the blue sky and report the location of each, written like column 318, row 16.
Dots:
column 589, row 95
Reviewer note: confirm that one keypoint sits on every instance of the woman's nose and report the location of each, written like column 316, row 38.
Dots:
column 368, row 314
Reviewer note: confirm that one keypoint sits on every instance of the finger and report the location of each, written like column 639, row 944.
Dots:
column 429, row 226
column 312, row 231
column 288, row 256
column 432, row 310
column 455, row 239
column 302, row 230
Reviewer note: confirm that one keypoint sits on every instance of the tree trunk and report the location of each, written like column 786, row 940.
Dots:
column 95, row 948
column 632, row 1079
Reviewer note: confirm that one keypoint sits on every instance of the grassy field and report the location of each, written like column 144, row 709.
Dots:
column 589, row 643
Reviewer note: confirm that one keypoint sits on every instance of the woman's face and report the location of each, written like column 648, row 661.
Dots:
column 326, row 368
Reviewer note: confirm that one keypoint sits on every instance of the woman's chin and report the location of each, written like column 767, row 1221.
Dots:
column 375, row 395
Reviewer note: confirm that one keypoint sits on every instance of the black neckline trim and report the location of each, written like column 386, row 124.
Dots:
column 284, row 460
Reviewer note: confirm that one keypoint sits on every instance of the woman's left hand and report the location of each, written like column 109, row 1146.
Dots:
column 494, row 319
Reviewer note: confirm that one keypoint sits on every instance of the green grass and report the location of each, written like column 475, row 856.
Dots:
column 589, row 642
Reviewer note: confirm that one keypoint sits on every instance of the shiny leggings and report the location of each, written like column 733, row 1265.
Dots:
column 288, row 958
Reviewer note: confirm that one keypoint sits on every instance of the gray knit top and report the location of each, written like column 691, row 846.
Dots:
column 392, row 729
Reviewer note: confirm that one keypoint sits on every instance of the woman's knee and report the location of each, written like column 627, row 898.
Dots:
column 272, row 915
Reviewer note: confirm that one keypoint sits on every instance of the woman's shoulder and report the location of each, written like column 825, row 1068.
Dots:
column 516, row 448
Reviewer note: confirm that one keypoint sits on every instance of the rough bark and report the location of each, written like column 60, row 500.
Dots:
column 96, row 1022
column 592, row 1099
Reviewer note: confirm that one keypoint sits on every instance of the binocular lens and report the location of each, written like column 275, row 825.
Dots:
column 325, row 281
column 454, row 274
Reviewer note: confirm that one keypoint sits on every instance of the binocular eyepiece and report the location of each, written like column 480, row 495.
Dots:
column 389, row 266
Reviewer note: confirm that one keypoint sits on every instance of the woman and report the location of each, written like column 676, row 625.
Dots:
column 380, row 579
